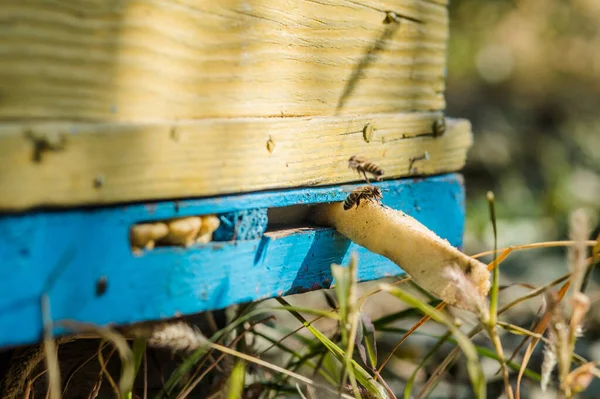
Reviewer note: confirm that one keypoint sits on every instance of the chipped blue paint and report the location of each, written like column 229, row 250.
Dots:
column 65, row 253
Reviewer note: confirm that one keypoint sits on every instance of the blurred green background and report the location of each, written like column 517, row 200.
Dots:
column 527, row 75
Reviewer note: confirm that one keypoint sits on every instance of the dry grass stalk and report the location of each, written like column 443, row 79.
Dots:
column 120, row 344
column 51, row 358
column 580, row 378
column 564, row 331
column 50, row 350
column 554, row 352
column 579, row 233
column 548, row 365
column 103, row 370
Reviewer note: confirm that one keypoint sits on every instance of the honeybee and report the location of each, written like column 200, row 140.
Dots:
column 439, row 127
column 362, row 166
column 369, row 193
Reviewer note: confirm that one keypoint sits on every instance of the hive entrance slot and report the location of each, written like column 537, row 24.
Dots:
column 289, row 218
column 241, row 225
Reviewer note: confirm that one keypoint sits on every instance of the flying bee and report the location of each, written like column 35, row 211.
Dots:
column 439, row 127
column 369, row 193
column 362, row 166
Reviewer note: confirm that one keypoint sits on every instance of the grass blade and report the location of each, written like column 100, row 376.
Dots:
column 481, row 351
column 465, row 344
column 433, row 351
column 496, row 270
column 539, row 329
column 50, row 351
column 345, row 287
column 401, row 315
column 316, row 312
column 492, row 319
column 456, row 352
column 439, row 307
column 237, row 380
column 535, row 245
column 366, row 342
column 251, row 359
column 119, row 342
column 195, row 356
column 362, row 376
column 139, row 349
column 592, row 265
column 302, row 359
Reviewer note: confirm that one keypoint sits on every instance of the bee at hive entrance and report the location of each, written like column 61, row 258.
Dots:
column 369, row 193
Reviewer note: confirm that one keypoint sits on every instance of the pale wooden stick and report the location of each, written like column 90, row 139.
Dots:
column 432, row 262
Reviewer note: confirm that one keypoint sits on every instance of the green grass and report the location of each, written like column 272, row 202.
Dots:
column 336, row 349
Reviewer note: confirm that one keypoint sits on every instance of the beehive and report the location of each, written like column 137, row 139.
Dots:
column 146, row 110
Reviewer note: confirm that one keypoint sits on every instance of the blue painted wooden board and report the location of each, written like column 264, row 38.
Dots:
column 65, row 253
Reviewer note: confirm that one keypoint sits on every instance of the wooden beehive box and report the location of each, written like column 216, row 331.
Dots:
column 119, row 112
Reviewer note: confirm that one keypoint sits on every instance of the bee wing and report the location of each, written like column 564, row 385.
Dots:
column 350, row 189
column 363, row 190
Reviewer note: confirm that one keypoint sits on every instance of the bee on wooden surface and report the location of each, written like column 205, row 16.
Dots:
column 362, row 166
column 439, row 127
column 369, row 193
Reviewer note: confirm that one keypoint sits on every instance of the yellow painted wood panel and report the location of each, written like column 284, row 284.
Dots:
column 151, row 60
column 101, row 163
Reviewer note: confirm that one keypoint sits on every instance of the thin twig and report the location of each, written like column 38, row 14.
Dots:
column 545, row 244
column 456, row 351
column 146, row 375
column 89, row 359
column 490, row 324
column 50, row 350
column 268, row 365
column 105, row 371
column 360, row 301
column 441, row 306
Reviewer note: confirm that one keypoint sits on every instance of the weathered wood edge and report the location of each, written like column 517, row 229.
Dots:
column 154, row 60
column 64, row 254
column 75, row 164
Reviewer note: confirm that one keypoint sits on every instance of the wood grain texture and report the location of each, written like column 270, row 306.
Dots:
column 102, row 163
column 149, row 60
column 65, row 254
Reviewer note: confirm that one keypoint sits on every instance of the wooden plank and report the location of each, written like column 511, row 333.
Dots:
column 109, row 163
column 64, row 254
column 148, row 60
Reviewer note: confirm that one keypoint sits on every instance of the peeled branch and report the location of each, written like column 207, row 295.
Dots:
column 432, row 262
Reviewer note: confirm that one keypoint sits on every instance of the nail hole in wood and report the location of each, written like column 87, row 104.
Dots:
column 101, row 286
